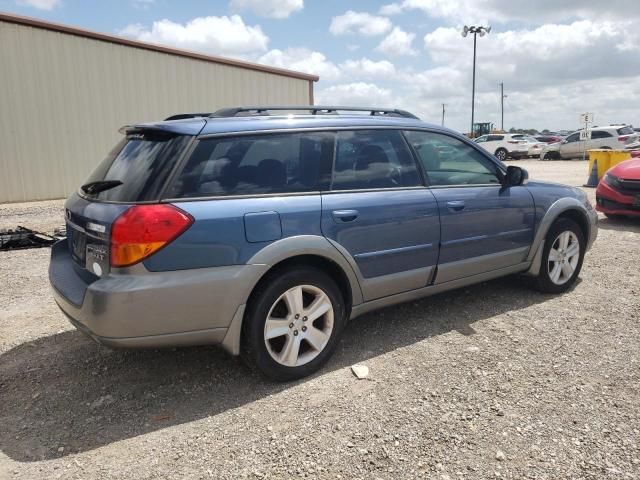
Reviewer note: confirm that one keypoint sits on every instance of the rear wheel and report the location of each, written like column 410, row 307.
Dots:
column 501, row 154
column 293, row 323
column 562, row 257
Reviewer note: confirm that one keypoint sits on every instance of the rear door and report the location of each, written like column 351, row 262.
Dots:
column 379, row 214
column 484, row 226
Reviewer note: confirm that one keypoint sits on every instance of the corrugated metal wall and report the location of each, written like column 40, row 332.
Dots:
column 63, row 97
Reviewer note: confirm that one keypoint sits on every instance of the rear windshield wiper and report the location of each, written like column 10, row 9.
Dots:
column 92, row 188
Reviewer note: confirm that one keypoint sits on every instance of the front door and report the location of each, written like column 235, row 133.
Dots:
column 484, row 226
column 572, row 146
column 379, row 214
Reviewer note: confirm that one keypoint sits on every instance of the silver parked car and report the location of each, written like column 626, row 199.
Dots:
column 609, row 138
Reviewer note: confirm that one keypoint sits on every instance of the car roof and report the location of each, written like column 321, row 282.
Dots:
column 210, row 126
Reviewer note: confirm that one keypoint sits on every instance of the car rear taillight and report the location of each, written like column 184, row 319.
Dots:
column 143, row 230
column 623, row 138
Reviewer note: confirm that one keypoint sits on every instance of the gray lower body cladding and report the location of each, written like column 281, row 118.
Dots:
column 147, row 309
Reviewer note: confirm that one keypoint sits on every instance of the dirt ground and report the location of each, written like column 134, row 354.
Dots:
column 490, row 381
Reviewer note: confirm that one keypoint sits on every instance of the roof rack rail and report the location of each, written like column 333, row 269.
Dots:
column 314, row 109
column 182, row 116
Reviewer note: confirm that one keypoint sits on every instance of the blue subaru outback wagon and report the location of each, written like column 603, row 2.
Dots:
column 265, row 229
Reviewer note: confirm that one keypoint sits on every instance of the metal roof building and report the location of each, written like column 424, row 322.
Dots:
column 64, row 92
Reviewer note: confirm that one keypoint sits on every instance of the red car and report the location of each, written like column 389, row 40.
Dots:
column 618, row 193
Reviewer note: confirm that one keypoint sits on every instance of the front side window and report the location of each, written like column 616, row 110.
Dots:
column 482, row 139
column 449, row 161
column 574, row 137
column 495, row 138
column 367, row 159
column 254, row 164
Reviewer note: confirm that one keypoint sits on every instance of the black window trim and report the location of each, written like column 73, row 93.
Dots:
column 323, row 188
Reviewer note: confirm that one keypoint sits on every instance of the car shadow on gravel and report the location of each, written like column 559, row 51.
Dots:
column 64, row 394
column 627, row 224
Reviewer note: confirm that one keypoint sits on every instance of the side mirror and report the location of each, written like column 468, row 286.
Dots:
column 515, row 176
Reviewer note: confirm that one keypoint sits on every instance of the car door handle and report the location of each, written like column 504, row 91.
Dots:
column 343, row 216
column 455, row 205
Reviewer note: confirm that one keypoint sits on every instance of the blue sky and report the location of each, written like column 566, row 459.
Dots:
column 556, row 60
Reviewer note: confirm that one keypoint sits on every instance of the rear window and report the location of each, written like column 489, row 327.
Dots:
column 254, row 164
column 370, row 159
column 626, row 131
column 142, row 162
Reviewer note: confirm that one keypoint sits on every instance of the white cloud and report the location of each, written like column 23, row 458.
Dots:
column 358, row 94
column 398, row 42
column 366, row 68
column 216, row 35
column 359, row 22
column 501, row 11
column 391, row 9
column 40, row 4
column 302, row 60
column 143, row 4
column 268, row 8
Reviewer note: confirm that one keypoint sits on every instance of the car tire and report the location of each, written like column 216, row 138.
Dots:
column 290, row 345
column 559, row 269
column 501, row 154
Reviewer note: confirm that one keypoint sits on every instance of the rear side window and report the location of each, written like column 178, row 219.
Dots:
column 367, row 159
column 257, row 164
column 142, row 162
column 600, row 134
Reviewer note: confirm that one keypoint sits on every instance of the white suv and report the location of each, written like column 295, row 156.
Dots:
column 609, row 137
column 503, row 145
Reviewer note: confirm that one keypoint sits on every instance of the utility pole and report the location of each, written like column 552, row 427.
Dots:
column 443, row 114
column 502, row 105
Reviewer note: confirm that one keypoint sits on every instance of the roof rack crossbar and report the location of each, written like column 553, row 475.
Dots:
column 314, row 109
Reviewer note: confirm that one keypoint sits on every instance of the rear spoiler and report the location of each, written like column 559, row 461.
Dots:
column 175, row 128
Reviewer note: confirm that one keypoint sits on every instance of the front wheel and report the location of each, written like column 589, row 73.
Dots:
column 562, row 257
column 293, row 323
column 501, row 154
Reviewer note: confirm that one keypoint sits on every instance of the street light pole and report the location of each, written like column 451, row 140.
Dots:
column 482, row 31
column 473, row 86
column 443, row 114
column 502, row 106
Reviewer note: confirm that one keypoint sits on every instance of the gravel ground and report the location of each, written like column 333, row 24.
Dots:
column 489, row 381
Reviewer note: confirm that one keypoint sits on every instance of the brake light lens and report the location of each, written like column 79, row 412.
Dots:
column 623, row 138
column 143, row 230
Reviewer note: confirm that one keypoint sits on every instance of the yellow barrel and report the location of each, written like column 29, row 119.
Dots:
column 606, row 159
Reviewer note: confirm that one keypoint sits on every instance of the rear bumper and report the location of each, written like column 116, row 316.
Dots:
column 137, row 308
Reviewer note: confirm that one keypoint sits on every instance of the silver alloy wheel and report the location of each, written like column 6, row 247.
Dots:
column 563, row 257
column 502, row 155
column 299, row 325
